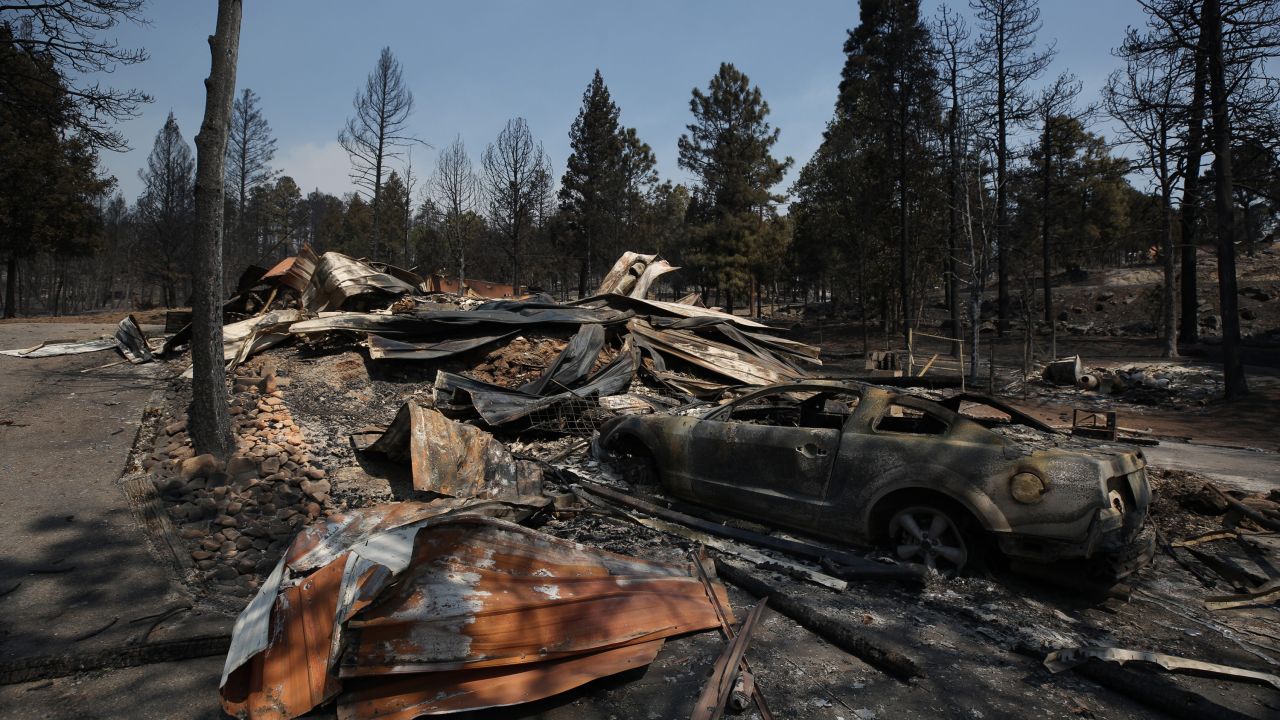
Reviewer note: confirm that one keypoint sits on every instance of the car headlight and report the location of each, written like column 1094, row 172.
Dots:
column 1027, row 488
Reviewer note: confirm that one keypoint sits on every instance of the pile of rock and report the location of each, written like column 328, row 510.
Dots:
column 239, row 517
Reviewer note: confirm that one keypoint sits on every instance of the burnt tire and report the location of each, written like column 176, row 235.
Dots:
column 638, row 467
column 937, row 536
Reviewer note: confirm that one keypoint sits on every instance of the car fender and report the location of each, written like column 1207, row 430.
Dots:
column 664, row 443
column 939, row 479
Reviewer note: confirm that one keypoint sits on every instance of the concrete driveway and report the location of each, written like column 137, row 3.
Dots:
column 76, row 573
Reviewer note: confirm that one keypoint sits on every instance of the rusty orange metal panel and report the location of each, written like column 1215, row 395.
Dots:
column 292, row 677
column 480, row 592
column 519, row 620
column 280, row 269
column 485, row 611
column 412, row 696
column 476, row 288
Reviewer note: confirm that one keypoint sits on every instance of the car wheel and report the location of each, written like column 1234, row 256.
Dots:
column 930, row 536
column 638, row 468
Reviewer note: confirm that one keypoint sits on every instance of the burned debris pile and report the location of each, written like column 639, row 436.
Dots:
column 606, row 345
column 1170, row 385
column 521, row 559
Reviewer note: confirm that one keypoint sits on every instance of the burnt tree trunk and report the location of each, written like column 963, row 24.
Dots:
column 1232, row 364
column 1169, row 327
column 904, row 250
column 1046, row 249
column 1002, row 197
column 1190, row 326
column 953, row 228
column 209, row 418
column 11, row 286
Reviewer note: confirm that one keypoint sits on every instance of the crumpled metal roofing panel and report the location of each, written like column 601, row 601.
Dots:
column 447, row 612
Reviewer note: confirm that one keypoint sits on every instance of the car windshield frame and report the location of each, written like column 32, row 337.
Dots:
column 722, row 413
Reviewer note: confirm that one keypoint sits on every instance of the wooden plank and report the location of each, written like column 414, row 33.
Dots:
column 836, row 630
column 710, row 703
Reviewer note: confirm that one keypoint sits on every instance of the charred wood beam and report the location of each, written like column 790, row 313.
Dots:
column 849, row 566
column 829, row 626
column 710, row 703
column 1158, row 693
column 1246, row 511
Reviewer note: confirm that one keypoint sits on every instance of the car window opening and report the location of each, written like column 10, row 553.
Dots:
column 818, row 411
column 902, row 419
column 985, row 415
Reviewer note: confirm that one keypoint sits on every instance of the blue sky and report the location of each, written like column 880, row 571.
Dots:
column 473, row 65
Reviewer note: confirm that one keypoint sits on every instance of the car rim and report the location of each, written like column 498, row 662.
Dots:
column 926, row 535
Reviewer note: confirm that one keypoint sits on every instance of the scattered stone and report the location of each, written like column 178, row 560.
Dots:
column 316, row 488
column 175, row 428
column 239, row 465
column 199, row 466
column 168, row 485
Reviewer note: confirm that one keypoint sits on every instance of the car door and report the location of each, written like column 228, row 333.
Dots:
column 763, row 467
column 887, row 437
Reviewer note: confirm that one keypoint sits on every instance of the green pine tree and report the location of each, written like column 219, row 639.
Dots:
column 728, row 147
column 602, row 192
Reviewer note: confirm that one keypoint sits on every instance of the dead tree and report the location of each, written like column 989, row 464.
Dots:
column 210, row 421
column 1145, row 97
column 67, row 32
column 456, row 191
column 250, row 149
column 377, row 131
column 514, row 166
column 1006, row 63
column 1232, row 363
column 952, row 36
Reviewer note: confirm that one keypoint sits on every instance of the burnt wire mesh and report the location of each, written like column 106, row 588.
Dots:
column 575, row 415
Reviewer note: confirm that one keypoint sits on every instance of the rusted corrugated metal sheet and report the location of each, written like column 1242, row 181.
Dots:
column 475, row 288
column 717, row 357
column 454, row 459
column 280, row 269
column 633, row 274
column 292, row 676
column 482, row 593
column 410, row 696
column 438, row 613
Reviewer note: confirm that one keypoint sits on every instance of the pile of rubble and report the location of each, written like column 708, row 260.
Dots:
column 449, row 600
column 239, row 516
column 542, row 358
column 1164, row 384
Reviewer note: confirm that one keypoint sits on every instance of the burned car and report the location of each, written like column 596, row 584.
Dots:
column 858, row 463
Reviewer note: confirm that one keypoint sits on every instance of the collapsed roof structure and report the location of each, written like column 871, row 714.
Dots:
column 678, row 350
